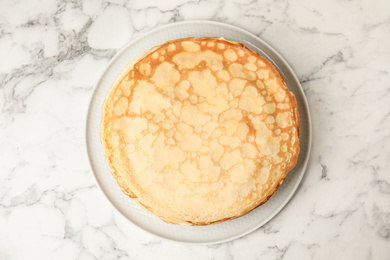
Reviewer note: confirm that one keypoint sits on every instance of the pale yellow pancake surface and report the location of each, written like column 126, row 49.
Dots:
column 200, row 130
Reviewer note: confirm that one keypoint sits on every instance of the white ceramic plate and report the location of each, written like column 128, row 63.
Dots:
column 202, row 234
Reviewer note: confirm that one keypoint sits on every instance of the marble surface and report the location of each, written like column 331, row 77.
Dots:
column 52, row 54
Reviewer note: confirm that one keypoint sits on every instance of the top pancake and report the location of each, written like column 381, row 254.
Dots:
column 200, row 130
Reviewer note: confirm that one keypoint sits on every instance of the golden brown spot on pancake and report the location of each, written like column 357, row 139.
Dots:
column 169, row 134
column 252, row 59
column 230, row 55
column 171, row 47
column 262, row 74
column 203, row 84
column 211, row 44
column 187, row 60
column 287, row 156
column 144, row 68
column 237, row 70
column 271, row 85
column 167, row 124
column 193, row 99
column 221, row 46
column 250, row 100
column 190, row 60
column 155, row 55
column 190, row 46
column 270, row 120
column 115, row 141
column 263, row 136
column 165, row 77
column 240, row 53
column 263, row 175
column 261, row 63
column 293, row 140
column 259, row 84
column 280, row 95
column 145, row 98
column 250, row 66
column 283, row 106
column 224, row 75
column 293, row 130
column 121, row 106
column 269, row 108
column 213, row 60
column 284, row 119
column 125, row 85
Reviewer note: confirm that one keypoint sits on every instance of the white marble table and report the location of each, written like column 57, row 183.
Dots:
column 53, row 52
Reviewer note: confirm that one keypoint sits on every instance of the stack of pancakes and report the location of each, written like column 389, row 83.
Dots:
column 200, row 130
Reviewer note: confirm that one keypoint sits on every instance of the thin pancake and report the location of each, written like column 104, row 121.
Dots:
column 200, row 130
